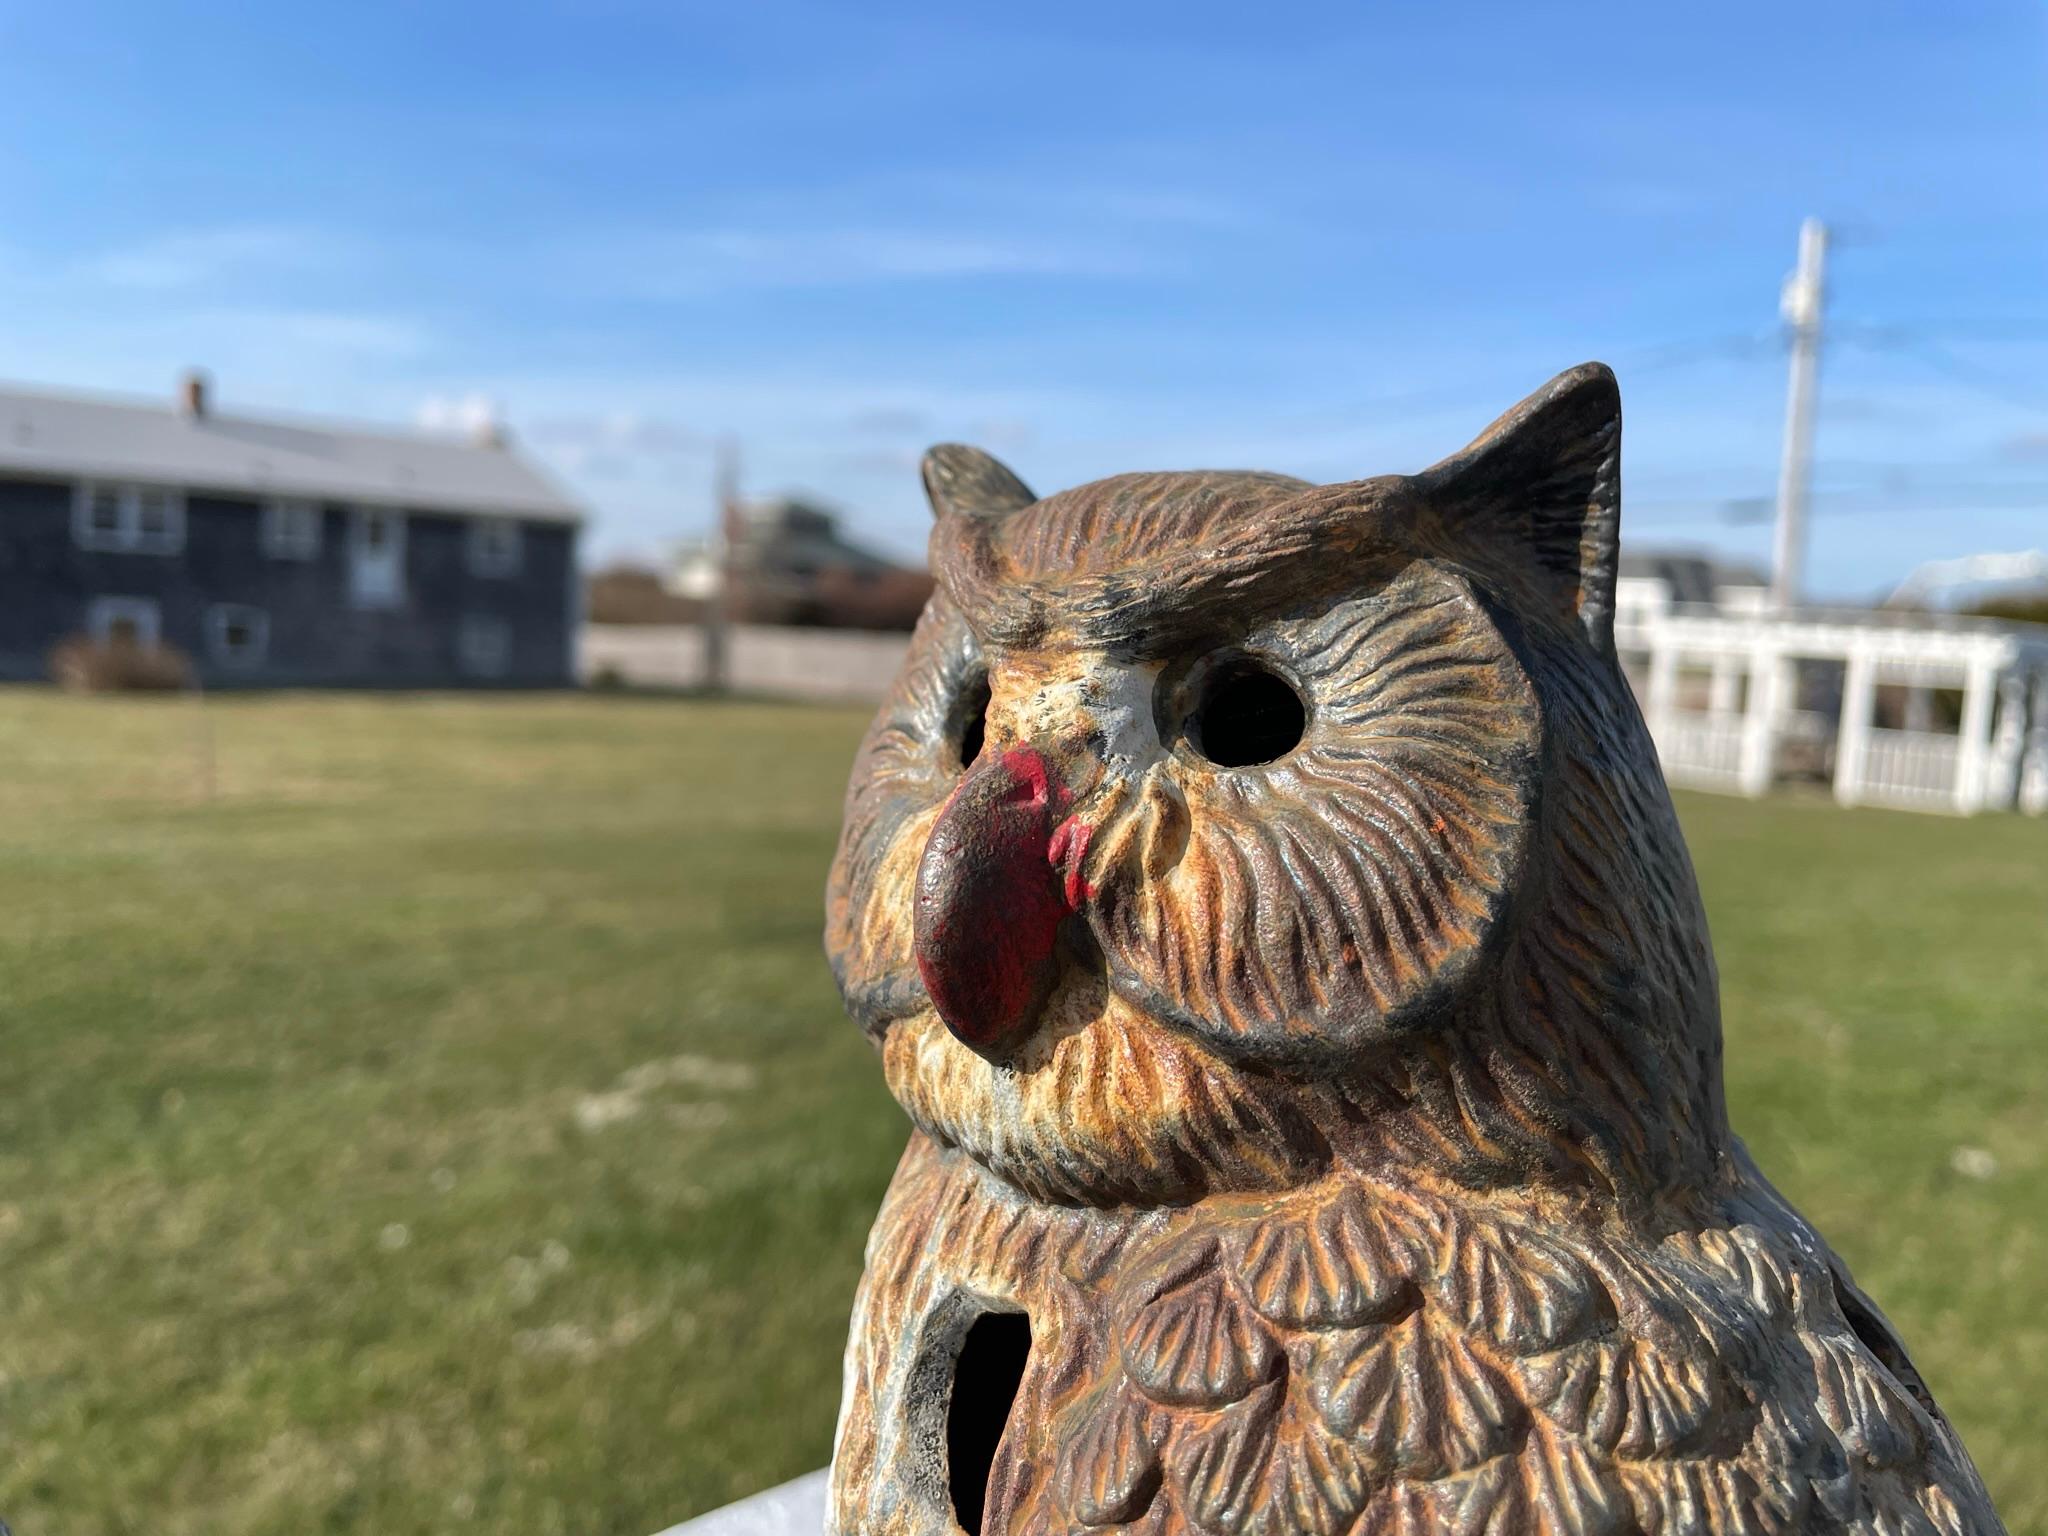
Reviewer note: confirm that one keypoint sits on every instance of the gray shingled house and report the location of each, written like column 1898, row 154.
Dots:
column 280, row 553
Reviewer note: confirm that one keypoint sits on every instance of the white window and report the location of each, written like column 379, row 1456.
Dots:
column 484, row 646
column 159, row 521
column 376, row 563
column 137, row 519
column 291, row 530
column 493, row 547
column 124, row 621
column 237, row 635
column 100, row 522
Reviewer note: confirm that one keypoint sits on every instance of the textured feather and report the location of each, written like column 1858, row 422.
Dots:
column 1511, row 1374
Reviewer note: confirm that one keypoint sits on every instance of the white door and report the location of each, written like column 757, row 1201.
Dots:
column 376, row 565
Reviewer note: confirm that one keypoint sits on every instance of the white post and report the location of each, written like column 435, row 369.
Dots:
column 1663, row 691
column 1852, row 746
column 1801, row 305
column 718, row 604
column 1726, row 685
column 1760, row 720
column 1974, row 742
column 2008, row 738
column 2034, row 755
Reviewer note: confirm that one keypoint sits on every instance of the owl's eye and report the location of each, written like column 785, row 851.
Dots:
column 1246, row 714
column 973, row 721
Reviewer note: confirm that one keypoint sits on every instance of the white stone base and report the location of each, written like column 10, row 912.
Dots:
column 797, row 1508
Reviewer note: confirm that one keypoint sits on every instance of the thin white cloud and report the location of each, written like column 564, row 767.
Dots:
column 694, row 263
column 348, row 334
column 244, row 300
column 637, row 444
column 197, row 258
column 328, row 361
column 888, row 421
column 879, row 461
column 1026, row 197
column 618, row 432
column 1155, row 206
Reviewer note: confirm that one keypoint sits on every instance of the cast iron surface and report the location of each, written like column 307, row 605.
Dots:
column 1348, row 1124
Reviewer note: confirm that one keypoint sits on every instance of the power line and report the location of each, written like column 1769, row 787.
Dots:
column 2016, row 328
column 1735, row 346
column 1936, row 498
column 1914, row 343
column 1473, row 396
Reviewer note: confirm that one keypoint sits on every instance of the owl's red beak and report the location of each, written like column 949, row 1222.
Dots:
column 1001, row 872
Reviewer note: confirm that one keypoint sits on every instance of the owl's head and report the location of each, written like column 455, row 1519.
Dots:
column 1221, row 826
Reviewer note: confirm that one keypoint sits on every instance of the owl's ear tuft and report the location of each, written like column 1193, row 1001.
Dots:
column 1547, row 476
column 965, row 482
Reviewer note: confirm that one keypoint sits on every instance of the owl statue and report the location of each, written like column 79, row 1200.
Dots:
column 1265, row 903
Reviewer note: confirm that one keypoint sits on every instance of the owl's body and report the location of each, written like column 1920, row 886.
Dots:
column 1358, row 1358
column 1266, row 904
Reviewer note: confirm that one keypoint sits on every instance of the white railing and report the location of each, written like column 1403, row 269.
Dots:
column 2033, row 789
column 1702, row 751
column 1913, row 770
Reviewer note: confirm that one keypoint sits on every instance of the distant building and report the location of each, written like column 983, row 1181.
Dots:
column 279, row 553
column 1652, row 580
column 626, row 593
column 1651, row 586
column 1916, row 710
column 790, row 564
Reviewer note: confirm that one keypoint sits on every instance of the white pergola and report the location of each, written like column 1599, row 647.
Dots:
column 1996, row 759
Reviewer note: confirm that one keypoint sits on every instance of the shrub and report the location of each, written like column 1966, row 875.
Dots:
column 82, row 664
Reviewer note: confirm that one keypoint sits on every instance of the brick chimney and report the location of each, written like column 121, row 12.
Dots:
column 192, row 391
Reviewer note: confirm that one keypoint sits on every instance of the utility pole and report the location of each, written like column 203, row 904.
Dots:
column 1801, row 303
column 718, row 603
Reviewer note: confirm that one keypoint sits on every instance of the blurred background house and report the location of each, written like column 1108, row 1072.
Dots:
column 787, row 561
column 776, row 600
column 245, row 551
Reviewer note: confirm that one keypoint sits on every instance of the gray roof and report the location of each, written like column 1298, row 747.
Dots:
column 81, row 437
column 1693, row 577
column 789, row 535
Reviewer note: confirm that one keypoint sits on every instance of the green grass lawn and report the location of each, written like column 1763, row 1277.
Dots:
column 445, row 1118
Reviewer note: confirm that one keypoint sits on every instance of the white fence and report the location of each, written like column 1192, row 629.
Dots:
column 1704, row 751
column 824, row 664
column 1913, row 770
column 1794, row 695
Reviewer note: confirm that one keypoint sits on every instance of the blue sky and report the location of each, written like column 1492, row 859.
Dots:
column 1331, row 240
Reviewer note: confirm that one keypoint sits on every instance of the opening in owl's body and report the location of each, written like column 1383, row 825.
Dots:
column 1267, row 907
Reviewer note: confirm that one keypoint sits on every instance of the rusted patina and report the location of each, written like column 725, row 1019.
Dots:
column 1266, row 904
